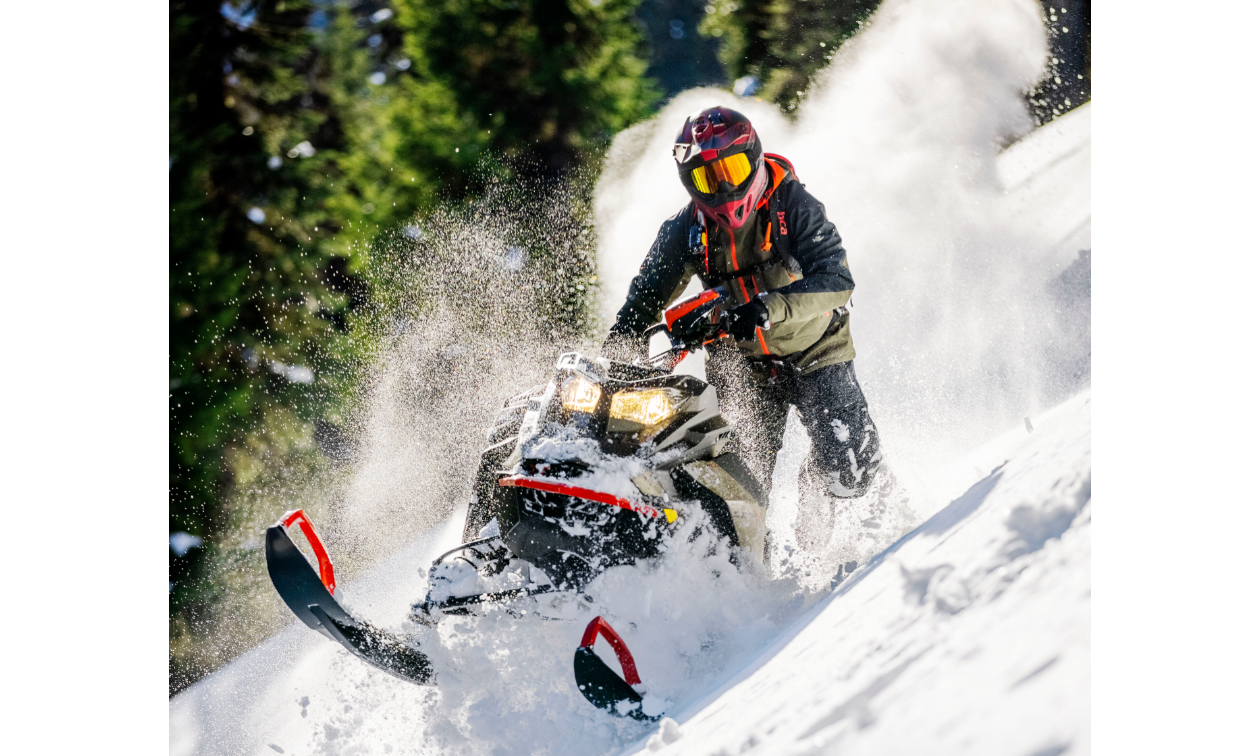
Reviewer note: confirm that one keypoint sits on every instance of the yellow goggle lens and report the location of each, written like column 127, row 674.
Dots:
column 579, row 395
column 733, row 170
column 647, row 407
column 701, row 181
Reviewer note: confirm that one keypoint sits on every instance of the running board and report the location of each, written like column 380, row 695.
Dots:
column 313, row 599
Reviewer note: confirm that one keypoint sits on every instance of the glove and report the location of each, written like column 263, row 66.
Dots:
column 742, row 322
column 696, row 327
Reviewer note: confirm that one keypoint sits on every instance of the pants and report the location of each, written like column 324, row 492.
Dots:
column 845, row 451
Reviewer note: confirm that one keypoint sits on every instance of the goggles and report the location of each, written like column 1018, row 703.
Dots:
column 732, row 170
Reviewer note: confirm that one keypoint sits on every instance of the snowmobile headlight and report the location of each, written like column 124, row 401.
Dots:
column 647, row 407
column 579, row 395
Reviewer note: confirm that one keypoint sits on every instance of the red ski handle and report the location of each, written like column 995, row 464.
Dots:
column 599, row 626
column 326, row 575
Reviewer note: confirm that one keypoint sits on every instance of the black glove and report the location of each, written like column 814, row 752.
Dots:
column 742, row 322
column 696, row 327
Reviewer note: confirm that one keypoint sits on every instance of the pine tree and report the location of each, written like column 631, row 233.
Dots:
column 301, row 137
column 249, row 295
column 783, row 43
column 549, row 81
column 286, row 161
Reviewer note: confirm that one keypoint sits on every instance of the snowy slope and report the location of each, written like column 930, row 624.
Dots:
column 1046, row 178
column 969, row 636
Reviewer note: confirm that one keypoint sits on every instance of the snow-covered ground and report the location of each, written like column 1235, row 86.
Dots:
column 971, row 635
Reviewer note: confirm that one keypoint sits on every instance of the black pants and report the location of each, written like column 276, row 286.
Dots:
column 755, row 398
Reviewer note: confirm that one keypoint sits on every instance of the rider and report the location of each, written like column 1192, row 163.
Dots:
column 752, row 229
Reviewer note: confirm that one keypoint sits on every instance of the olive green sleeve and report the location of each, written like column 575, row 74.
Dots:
column 826, row 282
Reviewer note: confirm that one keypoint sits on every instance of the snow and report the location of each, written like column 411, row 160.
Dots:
column 1042, row 178
column 181, row 543
column 971, row 635
column 610, row 475
column 280, row 690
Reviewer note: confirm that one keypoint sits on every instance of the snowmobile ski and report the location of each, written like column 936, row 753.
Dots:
column 600, row 684
column 313, row 598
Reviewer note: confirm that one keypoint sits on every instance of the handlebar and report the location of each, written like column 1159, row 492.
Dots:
column 678, row 348
column 700, row 321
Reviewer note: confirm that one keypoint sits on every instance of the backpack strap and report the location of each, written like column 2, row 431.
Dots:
column 777, row 230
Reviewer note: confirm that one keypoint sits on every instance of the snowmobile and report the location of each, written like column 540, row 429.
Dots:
column 596, row 468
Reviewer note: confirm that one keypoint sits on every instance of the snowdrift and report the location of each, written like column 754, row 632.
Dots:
column 970, row 635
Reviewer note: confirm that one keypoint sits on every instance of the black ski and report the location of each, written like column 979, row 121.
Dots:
column 311, row 599
column 601, row 686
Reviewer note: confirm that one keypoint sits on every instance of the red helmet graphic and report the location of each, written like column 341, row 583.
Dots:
column 720, row 162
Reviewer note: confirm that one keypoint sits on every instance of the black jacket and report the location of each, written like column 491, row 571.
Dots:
column 788, row 254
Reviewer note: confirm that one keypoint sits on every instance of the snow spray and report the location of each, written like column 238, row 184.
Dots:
column 465, row 317
column 899, row 138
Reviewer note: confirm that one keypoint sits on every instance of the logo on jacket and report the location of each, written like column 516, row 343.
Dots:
column 782, row 223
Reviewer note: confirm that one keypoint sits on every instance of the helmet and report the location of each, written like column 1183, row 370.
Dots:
column 720, row 163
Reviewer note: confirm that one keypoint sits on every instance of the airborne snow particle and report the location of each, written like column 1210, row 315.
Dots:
column 514, row 260
column 256, row 214
column 181, row 543
column 746, row 86
column 294, row 373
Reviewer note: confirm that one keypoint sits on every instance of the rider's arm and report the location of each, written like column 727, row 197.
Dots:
column 815, row 243
column 662, row 278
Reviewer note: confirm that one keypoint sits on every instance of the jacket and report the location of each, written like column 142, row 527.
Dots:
column 789, row 255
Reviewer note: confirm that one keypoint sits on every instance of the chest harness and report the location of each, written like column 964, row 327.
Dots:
column 776, row 240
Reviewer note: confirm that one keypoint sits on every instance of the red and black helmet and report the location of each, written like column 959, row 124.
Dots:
column 720, row 162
